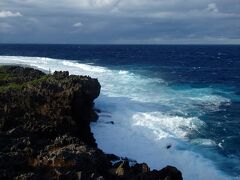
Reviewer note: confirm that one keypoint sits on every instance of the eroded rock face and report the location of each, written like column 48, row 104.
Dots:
column 45, row 130
column 49, row 105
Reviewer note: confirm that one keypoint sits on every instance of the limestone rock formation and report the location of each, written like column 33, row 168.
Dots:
column 45, row 130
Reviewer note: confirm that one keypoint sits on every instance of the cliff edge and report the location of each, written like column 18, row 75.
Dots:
column 45, row 130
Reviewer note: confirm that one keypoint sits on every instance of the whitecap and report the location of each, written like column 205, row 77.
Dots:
column 148, row 116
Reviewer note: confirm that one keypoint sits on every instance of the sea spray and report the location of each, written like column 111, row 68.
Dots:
column 151, row 120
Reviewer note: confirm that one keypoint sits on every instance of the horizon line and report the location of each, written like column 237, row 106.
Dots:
column 130, row 44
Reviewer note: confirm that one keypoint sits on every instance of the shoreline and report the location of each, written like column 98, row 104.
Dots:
column 38, row 98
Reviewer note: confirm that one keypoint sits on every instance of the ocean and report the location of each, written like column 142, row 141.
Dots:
column 160, row 104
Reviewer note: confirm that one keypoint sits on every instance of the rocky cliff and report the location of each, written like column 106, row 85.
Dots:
column 45, row 130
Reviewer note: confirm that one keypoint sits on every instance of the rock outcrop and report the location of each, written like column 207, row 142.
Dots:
column 45, row 130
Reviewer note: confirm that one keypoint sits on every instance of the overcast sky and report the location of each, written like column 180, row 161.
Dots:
column 120, row 21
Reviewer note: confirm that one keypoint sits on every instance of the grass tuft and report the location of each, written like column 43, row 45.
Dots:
column 7, row 81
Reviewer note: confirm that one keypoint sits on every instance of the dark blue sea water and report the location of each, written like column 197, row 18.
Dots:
column 186, row 96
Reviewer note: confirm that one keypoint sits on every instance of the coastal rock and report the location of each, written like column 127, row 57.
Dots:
column 49, row 105
column 45, row 130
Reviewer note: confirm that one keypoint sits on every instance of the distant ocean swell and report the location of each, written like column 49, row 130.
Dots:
column 145, row 119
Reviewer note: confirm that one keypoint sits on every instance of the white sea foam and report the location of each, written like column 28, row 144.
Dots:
column 166, row 126
column 85, row 67
column 205, row 142
column 148, row 116
column 145, row 136
column 123, row 72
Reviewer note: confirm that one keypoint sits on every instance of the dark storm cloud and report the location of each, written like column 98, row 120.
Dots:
column 120, row 21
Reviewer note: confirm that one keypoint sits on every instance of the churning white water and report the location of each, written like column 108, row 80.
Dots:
column 140, row 117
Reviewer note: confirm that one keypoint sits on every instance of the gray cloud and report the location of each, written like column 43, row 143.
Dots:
column 6, row 14
column 120, row 21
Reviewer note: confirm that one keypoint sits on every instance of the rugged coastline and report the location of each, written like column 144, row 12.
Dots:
column 45, row 130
